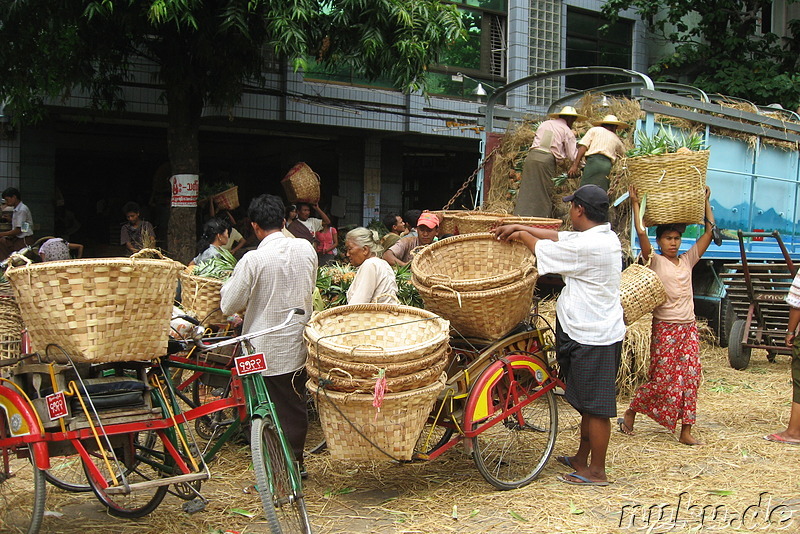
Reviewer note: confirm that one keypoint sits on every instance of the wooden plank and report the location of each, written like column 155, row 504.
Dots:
column 719, row 109
column 156, row 482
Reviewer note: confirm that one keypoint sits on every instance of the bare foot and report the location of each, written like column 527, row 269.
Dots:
column 686, row 436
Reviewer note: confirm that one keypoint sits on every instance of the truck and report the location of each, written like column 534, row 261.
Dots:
column 753, row 172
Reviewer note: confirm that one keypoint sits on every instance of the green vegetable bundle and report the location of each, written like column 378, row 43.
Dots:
column 219, row 267
column 665, row 142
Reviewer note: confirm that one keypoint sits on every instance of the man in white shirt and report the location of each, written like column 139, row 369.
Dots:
column 21, row 224
column 279, row 275
column 589, row 327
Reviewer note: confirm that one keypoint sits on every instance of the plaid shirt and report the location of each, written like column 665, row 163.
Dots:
column 793, row 298
column 588, row 309
column 269, row 281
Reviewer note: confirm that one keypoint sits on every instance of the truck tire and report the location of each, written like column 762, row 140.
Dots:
column 727, row 316
column 738, row 354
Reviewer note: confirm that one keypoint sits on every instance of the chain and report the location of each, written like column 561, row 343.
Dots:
column 470, row 179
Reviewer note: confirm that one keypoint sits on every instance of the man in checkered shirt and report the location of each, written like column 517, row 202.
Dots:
column 268, row 282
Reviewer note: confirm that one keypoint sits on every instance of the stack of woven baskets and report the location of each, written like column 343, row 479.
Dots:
column 353, row 348
column 483, row 286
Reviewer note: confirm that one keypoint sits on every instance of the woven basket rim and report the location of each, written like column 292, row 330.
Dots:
column 530, row 279
column 367, row 397
column 53, row 265
column 314, row 336
column 670, row 154
column 205, row 279
column 323, row 360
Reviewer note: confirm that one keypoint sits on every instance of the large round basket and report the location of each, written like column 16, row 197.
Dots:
column 375, row 333
column 394, row 429
column 473, row 223
column 340, row 380
column 488, row 314
column 640, row 292
column 10, row 323
column 200, row 297
column 301, row 184
column 323, row 364
column 472, row 262
column 448, row 219
column 98, row 310
column 228, row 199
column 674, row 185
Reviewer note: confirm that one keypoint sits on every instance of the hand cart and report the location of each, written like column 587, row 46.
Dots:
column 757, row 291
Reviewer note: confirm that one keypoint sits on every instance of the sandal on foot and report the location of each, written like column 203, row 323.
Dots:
column 564, row 460
column 582, row 481
column 625, row 429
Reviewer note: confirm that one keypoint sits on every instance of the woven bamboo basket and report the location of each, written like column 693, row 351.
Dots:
column 200, row 296
column 375, row 333
column 674, row 185
column 228, row 199
column 395, row 428
column 98, row 310
column 640, row 292
column 473, row 223
column 488, row 314
column 472, row 262
column 10, row 325
column 448, row 219
column 301, row 184
column 323, row 364
column 338, row 379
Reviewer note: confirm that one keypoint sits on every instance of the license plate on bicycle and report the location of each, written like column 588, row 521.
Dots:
column 56, row 406
column 253, row 363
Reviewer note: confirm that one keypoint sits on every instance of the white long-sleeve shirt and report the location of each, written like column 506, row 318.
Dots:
column 269, row 281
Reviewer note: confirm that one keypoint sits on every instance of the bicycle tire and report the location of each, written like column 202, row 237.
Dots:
column 284, row 507
column 137, row 503
column 66, row 473
column 510, row 456
column 19, row 514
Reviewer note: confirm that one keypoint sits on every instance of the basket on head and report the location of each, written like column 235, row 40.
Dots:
column 228, row 199
column 395, row 428
column 301, row 184
column 472, row 262
column 486, row 314
column 674, row 184
column 640, row 292
column 375, row 333
column 200, row 296
column 98, row 310
column 478, row 222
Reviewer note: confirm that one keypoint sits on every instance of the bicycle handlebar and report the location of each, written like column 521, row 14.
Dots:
column 197, row 340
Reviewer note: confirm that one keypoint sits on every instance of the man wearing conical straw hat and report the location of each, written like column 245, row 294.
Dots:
column 554, row 142
column 602, row 147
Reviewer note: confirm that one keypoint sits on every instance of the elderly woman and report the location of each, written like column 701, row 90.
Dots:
column 375, row 279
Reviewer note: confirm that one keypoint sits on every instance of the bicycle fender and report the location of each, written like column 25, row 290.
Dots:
column 23, row 422
column 480, row 401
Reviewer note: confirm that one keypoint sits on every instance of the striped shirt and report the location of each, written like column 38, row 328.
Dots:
column 793, row 298
column 269, row 281
column 561, row 139
column 599, row 140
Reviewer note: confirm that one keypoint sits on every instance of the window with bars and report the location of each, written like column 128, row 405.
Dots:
column 545, row 49
column 592, row 40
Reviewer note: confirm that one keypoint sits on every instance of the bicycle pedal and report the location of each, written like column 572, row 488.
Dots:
column 217, row 392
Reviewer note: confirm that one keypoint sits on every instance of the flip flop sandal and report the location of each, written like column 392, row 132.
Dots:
column 582, row 481
column 564, row 460
column 623, row 428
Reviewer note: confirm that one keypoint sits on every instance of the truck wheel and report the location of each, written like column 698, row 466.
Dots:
column 738, row 354
column 727, row 316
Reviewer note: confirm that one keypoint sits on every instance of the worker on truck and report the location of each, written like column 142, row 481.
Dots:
column 554, row 142
column 601, row 146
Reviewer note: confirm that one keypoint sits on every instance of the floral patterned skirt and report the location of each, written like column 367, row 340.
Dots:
column 670, row 394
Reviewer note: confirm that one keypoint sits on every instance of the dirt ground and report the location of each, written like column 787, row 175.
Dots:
column 736, row 482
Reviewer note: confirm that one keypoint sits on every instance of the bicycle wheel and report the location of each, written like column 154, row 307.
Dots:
column 512, row 452
column 284, row 505
column 66, row 473
column 20, row 512
column 140, row 462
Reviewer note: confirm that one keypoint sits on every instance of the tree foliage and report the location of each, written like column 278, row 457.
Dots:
column 720, row 47
column 205, row 51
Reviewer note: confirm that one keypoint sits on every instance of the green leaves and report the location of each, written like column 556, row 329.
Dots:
column 664, row 142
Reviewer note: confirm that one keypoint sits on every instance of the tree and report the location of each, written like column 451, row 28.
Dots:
column 720, row 47
column 205, row 51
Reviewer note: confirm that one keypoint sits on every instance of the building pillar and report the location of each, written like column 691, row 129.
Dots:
column 372, row 179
